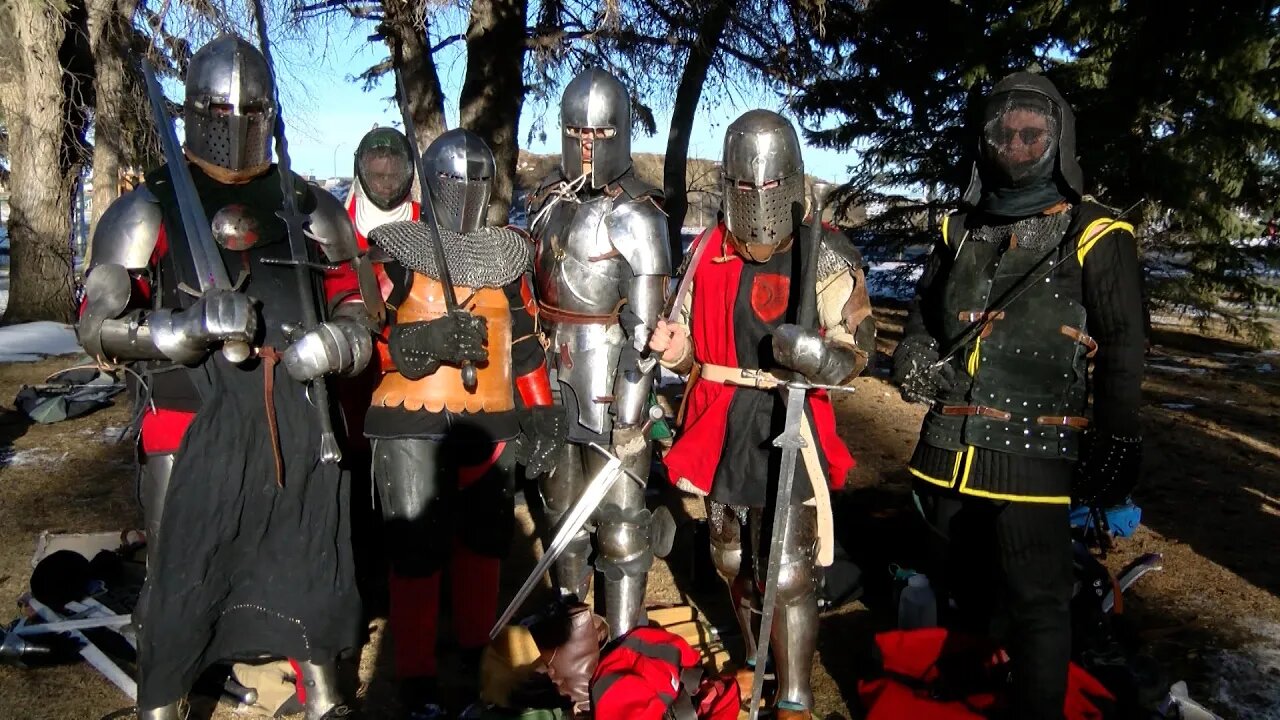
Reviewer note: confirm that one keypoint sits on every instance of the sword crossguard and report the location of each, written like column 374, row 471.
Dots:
column 605, row 452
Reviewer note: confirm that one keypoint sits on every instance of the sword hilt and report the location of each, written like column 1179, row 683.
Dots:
column 236, row 351
column 469, row 376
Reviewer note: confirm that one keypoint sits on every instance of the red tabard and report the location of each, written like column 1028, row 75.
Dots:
column 699, row 446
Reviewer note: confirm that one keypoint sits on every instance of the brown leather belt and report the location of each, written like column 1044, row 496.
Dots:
column 739, row 377
column 569, row 317
column 1081, row 338
column 973, row 316
column 1073, row 421
column 983, row 410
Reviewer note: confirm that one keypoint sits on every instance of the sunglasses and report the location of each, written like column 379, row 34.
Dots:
column 1028, row 135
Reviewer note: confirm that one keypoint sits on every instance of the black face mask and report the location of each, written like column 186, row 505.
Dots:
column 384, row 167
column 1019, row 153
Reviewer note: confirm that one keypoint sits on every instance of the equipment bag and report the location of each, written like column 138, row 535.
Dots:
column 652, row 674
column 941, row 675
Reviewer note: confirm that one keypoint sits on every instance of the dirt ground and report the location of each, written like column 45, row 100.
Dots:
column 1210, row 500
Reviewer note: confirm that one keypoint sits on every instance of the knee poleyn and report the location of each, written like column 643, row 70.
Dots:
column 622, row 541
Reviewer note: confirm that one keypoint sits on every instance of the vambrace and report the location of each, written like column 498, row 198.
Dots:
column 822, row 361
column 535, row 388
column 342, row 345
column 639, row 318
column 108, row 332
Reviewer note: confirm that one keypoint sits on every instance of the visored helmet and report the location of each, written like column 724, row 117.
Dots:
column 230, row 109
column 460, row 170
column 763, row 182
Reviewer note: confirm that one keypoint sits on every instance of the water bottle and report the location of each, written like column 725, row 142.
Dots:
column 917, row 607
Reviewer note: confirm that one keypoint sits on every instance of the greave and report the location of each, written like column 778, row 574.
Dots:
column 793, row 643
column 166, row 712
column 320, row 684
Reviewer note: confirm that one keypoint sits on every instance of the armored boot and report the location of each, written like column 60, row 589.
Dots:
column 318, row 690
column 793, row 640
column 560, row 489
column 624, row 551
column 165, row 712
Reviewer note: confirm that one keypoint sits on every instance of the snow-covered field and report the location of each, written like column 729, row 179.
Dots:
column 29, row 342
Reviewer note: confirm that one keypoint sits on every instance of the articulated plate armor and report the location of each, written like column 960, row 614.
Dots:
column 595, row 258
column 1029, row 366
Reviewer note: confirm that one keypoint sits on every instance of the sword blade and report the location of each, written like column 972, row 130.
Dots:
column 569, row 526
column 210, row 272
column 790, row 441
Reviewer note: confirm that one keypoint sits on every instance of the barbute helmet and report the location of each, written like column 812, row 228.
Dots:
column 460, row 170
column 595, row 127
column 230, row 109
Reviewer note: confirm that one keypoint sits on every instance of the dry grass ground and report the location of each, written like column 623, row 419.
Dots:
column 1211, row 501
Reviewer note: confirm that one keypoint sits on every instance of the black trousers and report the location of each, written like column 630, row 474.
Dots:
column 1008, row 567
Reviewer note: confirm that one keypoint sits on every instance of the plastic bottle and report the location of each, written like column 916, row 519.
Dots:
column 917, row 607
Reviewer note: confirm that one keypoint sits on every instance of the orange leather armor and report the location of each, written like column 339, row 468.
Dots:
column 442, row 390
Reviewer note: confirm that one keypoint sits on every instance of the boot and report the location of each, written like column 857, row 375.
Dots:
column 569, row 640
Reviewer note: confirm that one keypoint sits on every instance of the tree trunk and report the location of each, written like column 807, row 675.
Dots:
column 43, row 166
column 493, row 90
column 682, row 115
column 405, row 30
column 109, row 27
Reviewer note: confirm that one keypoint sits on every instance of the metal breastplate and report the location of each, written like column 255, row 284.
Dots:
column 578, row 270
column 443, row 390
column 1029, row 367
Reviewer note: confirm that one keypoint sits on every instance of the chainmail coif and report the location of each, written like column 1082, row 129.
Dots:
column 488, row 257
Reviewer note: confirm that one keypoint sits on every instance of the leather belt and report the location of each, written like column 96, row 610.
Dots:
column 983, row 410
column 1072, row 421
column 569, row 317
column 739, row 377
column 1080, row 337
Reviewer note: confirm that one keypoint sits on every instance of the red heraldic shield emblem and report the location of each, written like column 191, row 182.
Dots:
column 769, row 293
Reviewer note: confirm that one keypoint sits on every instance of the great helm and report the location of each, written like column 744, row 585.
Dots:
column 230, row 109
column 763, row 182
column 459, row 167
column 595, row 124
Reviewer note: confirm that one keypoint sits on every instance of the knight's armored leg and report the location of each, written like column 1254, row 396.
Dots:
column 166, row 712
column 794, row 636
column 560, row 489
column 623, row 552
column 485, row 521
column 156, row 469
column 727, row 554
column 318, row 690
column 407, row 474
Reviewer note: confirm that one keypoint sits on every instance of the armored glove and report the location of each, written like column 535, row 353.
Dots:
column 543, row 433
column 216, row 317
column 808, row 353
column 1108, row 470
column 915, row 374
column 342, row 345
column 419, row 348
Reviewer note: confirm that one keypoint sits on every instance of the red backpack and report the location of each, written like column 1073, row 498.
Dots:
column 941, row 675
column 652, row 674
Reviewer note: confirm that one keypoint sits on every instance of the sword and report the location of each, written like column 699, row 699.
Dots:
column 296, row 223
column 790, row 442
column 428, row 214
column 675, row 305
column 570, row 524
column 211, row 273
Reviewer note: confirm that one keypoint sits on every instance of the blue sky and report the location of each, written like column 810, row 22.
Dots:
column 327, row 114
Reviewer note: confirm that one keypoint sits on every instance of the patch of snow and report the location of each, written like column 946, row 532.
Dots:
column 1176, row 369
column 1177, row 406
column 32, row 457
column 4, row 288
column 1247, row 676
column 1265, row 367
column 892, row 279
column 28, row 342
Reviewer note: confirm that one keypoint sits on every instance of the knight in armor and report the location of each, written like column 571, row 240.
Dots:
column 747, row 326
column 248, row 537
column 445, row 452
column 1029, row 283
column 382, row 189
column 601, row 270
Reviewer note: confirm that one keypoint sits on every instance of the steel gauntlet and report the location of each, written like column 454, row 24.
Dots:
column 820, row 360
column 342, row 345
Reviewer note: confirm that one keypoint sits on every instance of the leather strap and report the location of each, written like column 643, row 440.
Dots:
column 1074, row 421
column 270, row 357
column 983, row 410
column 569, row 317
column 1080, row 337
